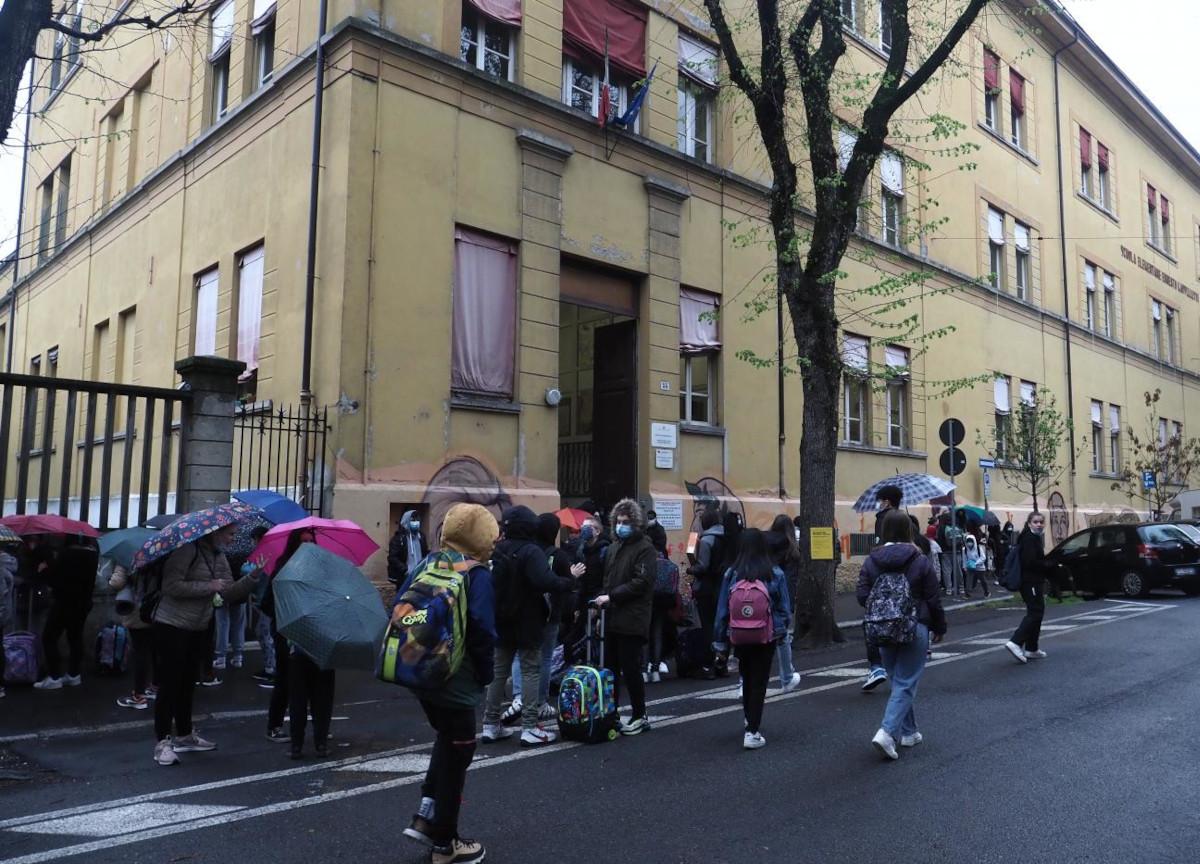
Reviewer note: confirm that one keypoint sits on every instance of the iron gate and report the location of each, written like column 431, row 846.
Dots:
column 282, row 450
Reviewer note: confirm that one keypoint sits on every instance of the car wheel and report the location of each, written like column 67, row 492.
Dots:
column 1133, row 584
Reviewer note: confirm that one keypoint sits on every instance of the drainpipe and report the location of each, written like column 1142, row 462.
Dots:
column 12, row 294
column 310, row 274
column 1066, row 270
column 779, row 369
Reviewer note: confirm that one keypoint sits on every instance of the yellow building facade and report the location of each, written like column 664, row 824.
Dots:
column 510, row 300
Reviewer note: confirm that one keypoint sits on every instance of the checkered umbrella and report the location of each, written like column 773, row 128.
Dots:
column 914, row 488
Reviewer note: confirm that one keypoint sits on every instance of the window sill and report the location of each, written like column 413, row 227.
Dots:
column 853, row 447
column 265, row 406
column 1103, row 475
column 689, row 428
column 1161, row 251
column 1098, row 207
column 62, row 85
column 1024, row 154
column 482, row 403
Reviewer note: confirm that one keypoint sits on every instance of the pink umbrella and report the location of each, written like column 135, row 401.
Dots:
column 340, row 536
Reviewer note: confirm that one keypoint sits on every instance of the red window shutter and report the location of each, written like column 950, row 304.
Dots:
column 1151, row 196
column 1166, row 210
column 584, row 26
column 1085, row 148
column 1102, row 156
column 991, row 70
column 506, row 11
column 1016, row 86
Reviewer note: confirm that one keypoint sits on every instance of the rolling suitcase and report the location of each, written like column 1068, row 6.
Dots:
column 587, row 707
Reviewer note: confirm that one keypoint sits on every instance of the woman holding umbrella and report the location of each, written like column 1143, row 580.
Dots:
column 196, row 570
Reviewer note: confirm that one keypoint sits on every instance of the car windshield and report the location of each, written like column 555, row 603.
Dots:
column 1163, row 534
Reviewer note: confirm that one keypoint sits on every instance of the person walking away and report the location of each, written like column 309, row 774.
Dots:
column 899, row 564
column 142, row 637
column 281, row 691
column 887, row 501
column 706, row 575
column 548, row 528
column 72, row 578
column 656, row 533
column 468, row 534
column 193, row 576
column 1034, row 570
column 521, row 580
column 759, row 624
column 8, row 580
column 628, row 596
column 785, row 554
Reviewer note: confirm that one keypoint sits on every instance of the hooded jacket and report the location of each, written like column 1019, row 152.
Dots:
column 629, row 570
column 521, row 578
column 548, row 528
column 709, row 553
column 907, row 559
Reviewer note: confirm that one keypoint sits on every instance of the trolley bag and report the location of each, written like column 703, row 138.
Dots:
column 113, row 649
column 587, row 706
column 21, row 659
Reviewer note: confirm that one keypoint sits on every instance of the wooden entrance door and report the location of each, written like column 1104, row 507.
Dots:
column 614, row 424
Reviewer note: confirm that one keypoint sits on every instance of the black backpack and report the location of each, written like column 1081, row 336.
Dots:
column 506, row 584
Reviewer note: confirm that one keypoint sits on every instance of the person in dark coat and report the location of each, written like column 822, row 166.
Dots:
column 887, row 498
column 1034, row 570
column 72, row 579
column 407, row 540
column 904, row 663
column 628, row 596
column 656, row 533
column 522, row 578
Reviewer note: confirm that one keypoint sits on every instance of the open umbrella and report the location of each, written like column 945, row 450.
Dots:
column 162, row 520
column 122, row 545
column 276, row 508
column 913, row 488
column 979, row 516
column 340, row 536
column 572, row 517
column 7, row 535
column 244, row 542
column 329, row 609
column 47, row 523
column 188, row 529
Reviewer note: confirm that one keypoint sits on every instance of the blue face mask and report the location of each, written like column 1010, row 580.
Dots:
column 587, row 532
column 624, row 531
column 414, row 526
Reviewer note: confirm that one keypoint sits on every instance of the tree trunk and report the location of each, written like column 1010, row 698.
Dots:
column 20, row 23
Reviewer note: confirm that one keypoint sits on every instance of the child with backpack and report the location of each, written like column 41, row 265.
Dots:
column 753, row 615
column 901, row 598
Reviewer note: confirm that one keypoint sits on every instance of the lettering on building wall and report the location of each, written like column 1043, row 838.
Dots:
column 1152, row 269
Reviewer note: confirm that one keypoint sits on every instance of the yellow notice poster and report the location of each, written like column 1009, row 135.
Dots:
column 820, row 543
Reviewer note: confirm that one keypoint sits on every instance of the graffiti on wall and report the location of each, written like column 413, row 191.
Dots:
column 462, row 480
column 1060, row 520
column 711, row 494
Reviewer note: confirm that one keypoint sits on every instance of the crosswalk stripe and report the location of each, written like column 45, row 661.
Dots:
column 842, row 673
column 126, row 820
column 985, row 642
column 1097, row 617
column 409, row 763
column 1058, row 626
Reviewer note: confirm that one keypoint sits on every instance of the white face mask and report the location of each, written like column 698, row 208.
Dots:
column 1037, row 529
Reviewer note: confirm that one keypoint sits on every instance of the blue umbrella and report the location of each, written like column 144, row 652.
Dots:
column 122, row 545
column 276, row 508
column 328, row 609
column 914, row 488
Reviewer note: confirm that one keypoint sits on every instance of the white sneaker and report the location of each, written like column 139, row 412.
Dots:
column 1017, row 651
column 72, row 680
column 739, row 690
column 911, row 740
column 662, row 668
column 792, row 684
column 164, row 753
column 1035, row 655
column 192, row 744
column 496, row 732
column 753, row 740
column 537, row 737
column 48, row 684
column 513, row 712
column 885, row 744
column 655, row 677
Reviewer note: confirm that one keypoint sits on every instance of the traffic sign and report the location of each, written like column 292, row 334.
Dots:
column 987, row 463
column 953, row 461
column 952, row 432
column 1148, row 480
column 987, row 482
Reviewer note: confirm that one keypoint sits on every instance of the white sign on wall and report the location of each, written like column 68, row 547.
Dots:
column 664, row 458
column 670, row 513
column 664, row 435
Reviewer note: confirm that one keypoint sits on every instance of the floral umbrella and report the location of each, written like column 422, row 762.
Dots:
column 188, row 529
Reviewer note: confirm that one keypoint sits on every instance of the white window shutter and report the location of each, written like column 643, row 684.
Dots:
column 1089, row 276
column 1114, row 419
column 856, row 352
column 222, row 28
column 1002, row 394
column 698, row 61
column 891, row 170
column 1156, row 310
column 1021, row 236
column 1028, row 391
column 896, row 357
column 1097, row 413
column 1110, row 284
column 995, row 226
column 846, row 142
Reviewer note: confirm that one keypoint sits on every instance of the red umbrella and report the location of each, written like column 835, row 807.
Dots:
column 47, row 523
column 573, row 518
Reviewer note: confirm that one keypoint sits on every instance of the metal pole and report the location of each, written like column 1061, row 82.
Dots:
column 782, row 424
column 12, row 294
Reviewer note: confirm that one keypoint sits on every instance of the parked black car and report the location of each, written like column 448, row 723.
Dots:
column 1131, row 558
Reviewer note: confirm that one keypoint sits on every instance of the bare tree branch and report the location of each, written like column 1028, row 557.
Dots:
column 147, row 22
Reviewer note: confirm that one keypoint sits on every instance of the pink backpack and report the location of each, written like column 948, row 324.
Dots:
column 750, row 613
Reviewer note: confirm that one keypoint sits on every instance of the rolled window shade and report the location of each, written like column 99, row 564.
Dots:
column 1002, row 395
column 1114, row 419
column 846, row 142
column 856, row 353
column 1085, row 148
column 1102, row 156
column 1021, row 236
column 1156, row 310
column 1151, row 195
column 1110, row 284
column 1016, row 87
column 1089, row 277
column 698, row 61
column 1097, row 414
column 1028, row 392
column 896, row 357
column 698, row 321
column 221, row 26
column 891, row 169
column 504, row 11
column 991, row 70
column 264, row 14
column 1166, row 209
column 588, row 23
column 996, row 226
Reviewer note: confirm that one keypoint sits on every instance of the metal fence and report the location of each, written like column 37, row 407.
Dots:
column 282, row 450
column 60, row 423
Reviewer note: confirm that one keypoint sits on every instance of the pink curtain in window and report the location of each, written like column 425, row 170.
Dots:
column 483, row 349
column 584, row 25
column 991, row 70
column 1151, row 196
column 1102, row 155
column 1016, row 86
column 697, row 330
column 506, row 11
column 1085, row 148
column 1166, row 210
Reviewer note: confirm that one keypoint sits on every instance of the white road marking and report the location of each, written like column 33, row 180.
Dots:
column 841, row 672
column 126, row 820
column 410, row 763
column 986, row 642
column 1058, row 627
column 1097, row 617
column 237, row 816
column 723, row 693
column 942, row 655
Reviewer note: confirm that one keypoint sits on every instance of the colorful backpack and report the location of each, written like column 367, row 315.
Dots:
column 890, row 616
column 587, row 705
column 666, row 578
column 21, row 664
column 749, row 613
column 423, row 647
column 113, row 648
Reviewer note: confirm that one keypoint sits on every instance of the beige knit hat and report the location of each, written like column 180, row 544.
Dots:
column 470, row 529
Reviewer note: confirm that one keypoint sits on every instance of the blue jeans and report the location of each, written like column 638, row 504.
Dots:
column 904, row 665
column 231, row 622
column 549, row 643
column 783, row 650
column 262, row 629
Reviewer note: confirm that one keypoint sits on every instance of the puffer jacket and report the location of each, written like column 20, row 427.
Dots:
column 907, row 559
column 187, row 586
column 629, row 570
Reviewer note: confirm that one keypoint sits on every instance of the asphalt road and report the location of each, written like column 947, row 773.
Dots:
column 1085, row 756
